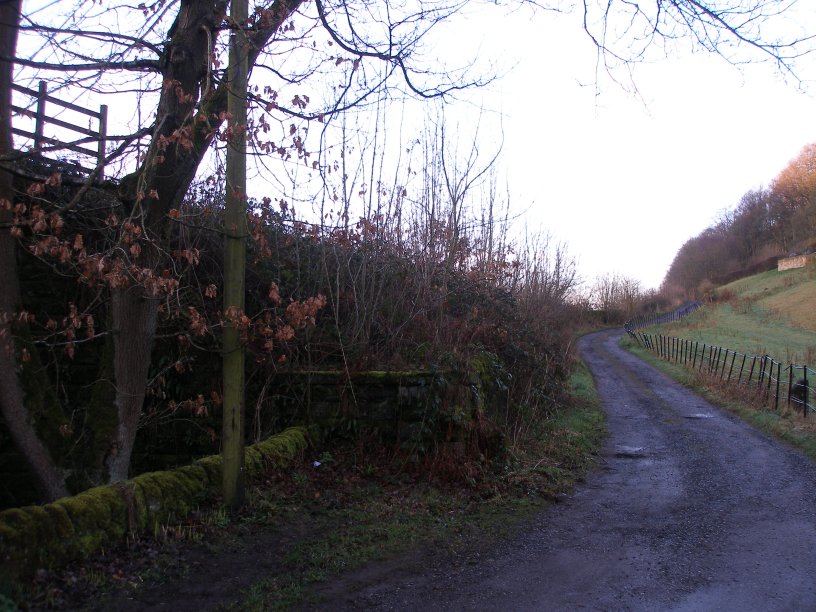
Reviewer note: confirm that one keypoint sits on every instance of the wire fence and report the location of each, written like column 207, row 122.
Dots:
column 656, row 318
column 775, row 382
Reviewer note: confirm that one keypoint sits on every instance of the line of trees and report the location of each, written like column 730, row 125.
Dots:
column 768, row 222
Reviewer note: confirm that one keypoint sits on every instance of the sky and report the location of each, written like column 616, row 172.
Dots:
column 623, row 178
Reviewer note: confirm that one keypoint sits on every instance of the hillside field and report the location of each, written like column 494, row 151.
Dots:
column 772, row 313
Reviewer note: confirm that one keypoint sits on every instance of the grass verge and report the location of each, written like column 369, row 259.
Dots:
column 384, row 520
column 783, row 424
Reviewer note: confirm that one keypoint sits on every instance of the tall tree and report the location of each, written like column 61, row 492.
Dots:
column 15, row 410
column 793, row 200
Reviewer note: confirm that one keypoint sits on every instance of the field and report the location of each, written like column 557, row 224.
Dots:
column 772, row 313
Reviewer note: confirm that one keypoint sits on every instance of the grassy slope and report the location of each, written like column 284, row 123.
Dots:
column 771, row 313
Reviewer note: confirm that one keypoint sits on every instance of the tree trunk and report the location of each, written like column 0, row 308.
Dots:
column 134, row 328
column 12, row 401
column 19, row 420
column 189, row 115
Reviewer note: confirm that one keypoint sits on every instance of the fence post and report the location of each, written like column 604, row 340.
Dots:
column 103, row 139
column 694, row 359
column 731, row 369
column 770, row 375
column 751, row 373
column 805, row 393
column 778, row 376
column 39, row 125
column 742, row 368
column 702, row 357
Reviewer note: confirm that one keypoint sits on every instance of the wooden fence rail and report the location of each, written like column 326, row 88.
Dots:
column 41, row 118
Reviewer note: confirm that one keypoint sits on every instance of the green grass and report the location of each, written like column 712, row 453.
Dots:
column 376, row 524
column 773, row 313
column 361, row 505
column 782, row 424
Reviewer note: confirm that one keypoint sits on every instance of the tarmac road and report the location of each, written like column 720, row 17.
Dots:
column 691, row 509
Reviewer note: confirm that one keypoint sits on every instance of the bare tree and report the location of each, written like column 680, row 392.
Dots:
column 739, row 31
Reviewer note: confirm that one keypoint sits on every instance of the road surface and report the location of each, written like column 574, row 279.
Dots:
column 691, row 509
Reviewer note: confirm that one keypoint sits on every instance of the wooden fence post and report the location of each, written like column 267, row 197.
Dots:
column 39, row 125
column 103, row 139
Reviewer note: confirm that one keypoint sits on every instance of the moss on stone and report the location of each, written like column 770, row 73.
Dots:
column 73, row 527
column 212, row 466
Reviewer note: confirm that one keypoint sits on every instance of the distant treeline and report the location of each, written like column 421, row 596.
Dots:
column 766, row 223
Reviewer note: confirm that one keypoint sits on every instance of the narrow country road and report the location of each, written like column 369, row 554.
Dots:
column 690, row 510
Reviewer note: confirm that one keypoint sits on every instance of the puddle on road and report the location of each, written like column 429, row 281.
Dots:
column 630, row 452
column 699, row 415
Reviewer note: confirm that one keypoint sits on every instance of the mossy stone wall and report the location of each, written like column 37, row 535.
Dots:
column 70, row 528
column 412, row 410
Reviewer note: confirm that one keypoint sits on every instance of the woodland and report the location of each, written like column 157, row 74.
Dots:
column 150, row 303
column 768, row 222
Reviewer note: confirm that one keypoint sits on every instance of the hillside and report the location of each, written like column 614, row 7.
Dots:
column 768, row 313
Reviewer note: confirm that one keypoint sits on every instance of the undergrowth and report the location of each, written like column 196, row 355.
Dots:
column 343, row 507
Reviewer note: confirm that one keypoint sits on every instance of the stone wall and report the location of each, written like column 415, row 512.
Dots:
column 797, row 261
column 54, row 534
column 411, row 410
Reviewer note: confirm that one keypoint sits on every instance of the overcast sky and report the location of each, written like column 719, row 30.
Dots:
column 623, row 178
column 626, row 179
